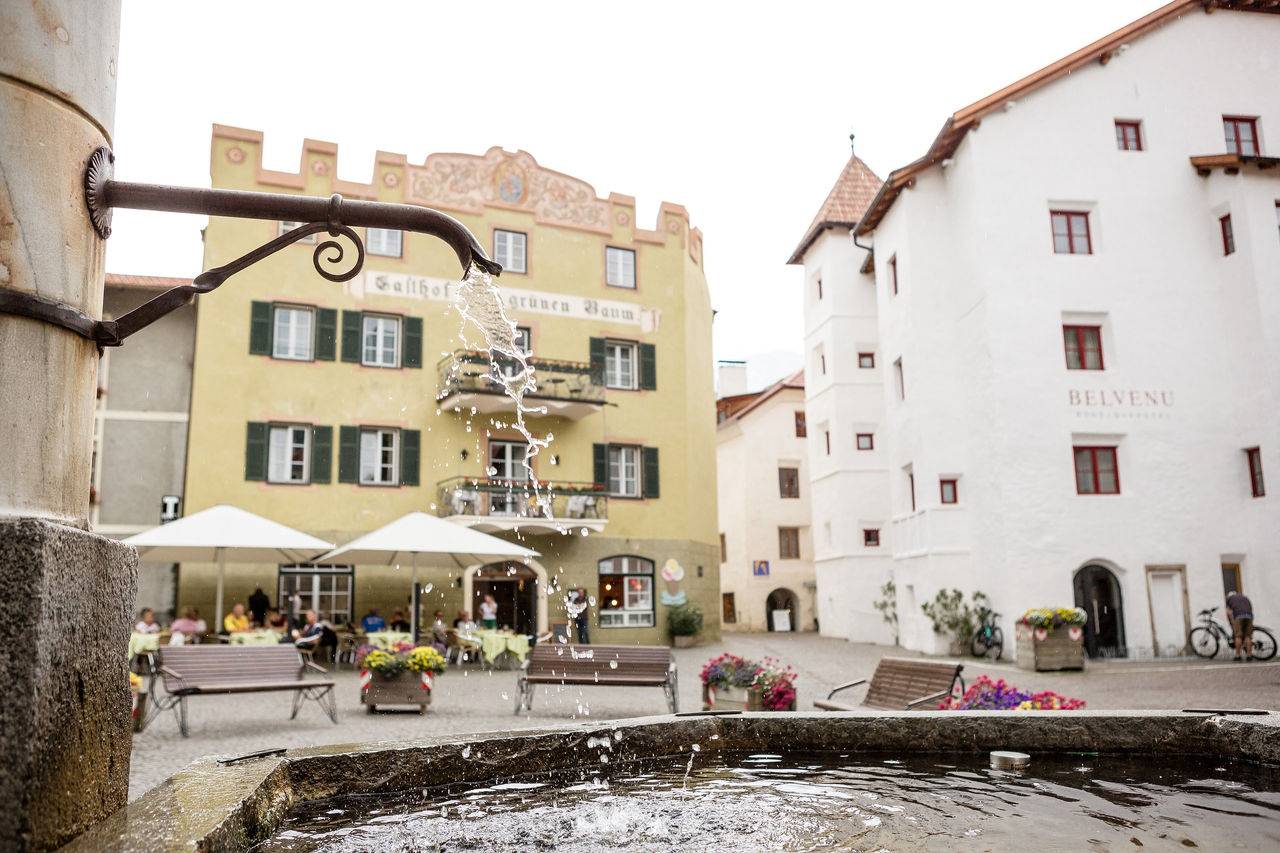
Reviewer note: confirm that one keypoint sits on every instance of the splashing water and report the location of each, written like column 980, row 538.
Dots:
column 479, row 302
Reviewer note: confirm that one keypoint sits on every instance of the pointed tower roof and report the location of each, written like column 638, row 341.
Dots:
column 848, row 200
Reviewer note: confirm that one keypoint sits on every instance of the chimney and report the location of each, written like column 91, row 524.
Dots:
column 733, row 379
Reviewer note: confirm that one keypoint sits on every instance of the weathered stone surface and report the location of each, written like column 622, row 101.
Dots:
column 206, row 807
column 64, row 716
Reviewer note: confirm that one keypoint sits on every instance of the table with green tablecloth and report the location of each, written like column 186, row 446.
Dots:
column 141, row 644
column 388, row 639
column 264, row 637
column 494, row 643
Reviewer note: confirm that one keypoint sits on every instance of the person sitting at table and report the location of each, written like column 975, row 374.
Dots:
column 147, row 623
column 312, row 632
column 186, row 623
column 438, row 627
column 399, row 623
column 489, row 613
column 277, row 621
column 235, row 621
column 464, row 622
column 373, row 622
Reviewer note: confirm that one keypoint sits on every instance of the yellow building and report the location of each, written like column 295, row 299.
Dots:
column 336, row 408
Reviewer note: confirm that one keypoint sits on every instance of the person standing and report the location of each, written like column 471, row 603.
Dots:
column 258, row 605
column 1240, row 610
column 489, row 613
column 581, row 619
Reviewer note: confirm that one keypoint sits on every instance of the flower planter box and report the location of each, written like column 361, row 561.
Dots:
column 682, row 641
column 404, row 688
column 1042, row 650
column 736, row 699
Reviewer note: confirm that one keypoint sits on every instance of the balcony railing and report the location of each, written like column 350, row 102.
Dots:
column 497, row 504
column 562, row 385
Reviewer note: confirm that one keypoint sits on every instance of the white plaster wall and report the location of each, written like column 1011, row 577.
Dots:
column 978, row 318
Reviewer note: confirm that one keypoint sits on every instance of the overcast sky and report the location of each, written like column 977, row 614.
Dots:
column 741, row 112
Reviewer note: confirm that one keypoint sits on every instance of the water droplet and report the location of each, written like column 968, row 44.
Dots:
column 613, row 664
column 466, row 752
column 428, row 588
column 696, row 748
column 604, row 759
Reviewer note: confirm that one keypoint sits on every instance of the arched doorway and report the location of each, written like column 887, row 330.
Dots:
column 1097, row 591
column 514, row 586
column 782, row 599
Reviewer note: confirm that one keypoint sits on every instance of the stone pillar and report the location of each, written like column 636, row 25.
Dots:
column 65, row 594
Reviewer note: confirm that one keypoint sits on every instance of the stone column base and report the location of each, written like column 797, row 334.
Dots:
column 67, row 599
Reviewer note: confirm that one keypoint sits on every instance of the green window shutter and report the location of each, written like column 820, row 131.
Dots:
column 410, row 443
column 600, row 456
column 597, row 360
column 412, row 355
column 650, row 471
column 321, row 454
column 348, row 454
column 260, row 329
column 255, row 452
column 648, row 368
column 352, row 323
column 326, row 334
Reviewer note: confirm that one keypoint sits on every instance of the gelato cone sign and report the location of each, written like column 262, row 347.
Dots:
column 672, row 574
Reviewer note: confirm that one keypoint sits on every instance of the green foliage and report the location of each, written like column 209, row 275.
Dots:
column 888, row 607
column 684, row 621
column 952, row 616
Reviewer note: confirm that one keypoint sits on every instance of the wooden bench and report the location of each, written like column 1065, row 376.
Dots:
column 901, row 684
column 616, row 666
column 207, row 669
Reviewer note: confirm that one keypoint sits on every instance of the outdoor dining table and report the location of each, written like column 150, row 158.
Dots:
column 388, row 639
column 141, row 644
column 263, row 637
column 495, row 643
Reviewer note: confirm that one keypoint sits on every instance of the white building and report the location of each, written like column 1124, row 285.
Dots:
column 766, row 548
column 1073, row 307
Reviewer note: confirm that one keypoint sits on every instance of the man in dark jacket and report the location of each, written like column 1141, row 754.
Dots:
column 1240, row 609
column 259, row 604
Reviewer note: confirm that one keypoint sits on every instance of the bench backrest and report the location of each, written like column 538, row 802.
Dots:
column 209, row 664
column 898, row 681
column 574, row 662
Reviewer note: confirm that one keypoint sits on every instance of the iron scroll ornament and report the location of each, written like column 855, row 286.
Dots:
column 335, row 215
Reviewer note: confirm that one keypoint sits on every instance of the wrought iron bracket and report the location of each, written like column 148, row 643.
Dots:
column 335, row 215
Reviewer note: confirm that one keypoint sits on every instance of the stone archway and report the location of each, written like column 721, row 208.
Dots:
column 1097, row 591
column 539, row 579
column 782, row 599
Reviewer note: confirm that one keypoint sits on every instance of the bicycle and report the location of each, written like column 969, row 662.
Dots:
column 1205, row 640
column 988, row 639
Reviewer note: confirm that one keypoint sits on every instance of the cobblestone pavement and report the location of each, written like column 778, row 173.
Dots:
column 474, row 700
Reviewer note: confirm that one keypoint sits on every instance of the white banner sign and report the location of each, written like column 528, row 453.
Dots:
column 517, row 302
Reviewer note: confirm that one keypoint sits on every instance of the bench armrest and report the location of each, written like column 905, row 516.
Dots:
column 310, row 665
column 846, row 687
column 172, row 673
column 933, row 697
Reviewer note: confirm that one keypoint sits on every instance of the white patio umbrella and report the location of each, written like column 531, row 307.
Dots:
column 402, row 540
column 221, row 533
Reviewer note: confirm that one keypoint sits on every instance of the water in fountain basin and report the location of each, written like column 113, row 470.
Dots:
column 834, row 803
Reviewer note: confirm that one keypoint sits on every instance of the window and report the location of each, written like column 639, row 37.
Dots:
column 827, row 435
column 1096, row 472
column 893, row 273
column 289, row 454
column 911, row 489
column 1228, row 235
column 789, row 543
column 509, row 250
column 871, row 537
column 898, row 379
column 948, row 489
column 626, row 592
column 620, row 365
column 507, row 365
column 381, row 344
column 1084, row 347
column 789, row 482
column 292, row 336
column 801, row 431
column 1242, row 135
column 1231, row 578
column 729, row 609
column 507, row 462
column 620, row 267
column 1128, row 135
column 624, row 471
column 1070, row 232
column 1254, row 456
column 324, row 589
column 866, row 359
column 378, row 450
column 866, row 441
column 724, row 549
column 286, row 227
column 819, row 289
column 387, row 242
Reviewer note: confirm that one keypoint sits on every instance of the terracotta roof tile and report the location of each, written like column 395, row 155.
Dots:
column 741, row 404
column 845, row 204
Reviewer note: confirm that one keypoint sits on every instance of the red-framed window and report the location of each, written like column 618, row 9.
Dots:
column 1096, row 471
column 1083, row 346
column 1254, row 456
column 1241, row 134
column 1128, row 135
column 949, row 492
column 1071, row 232
column 868, row 359
column 871, row 537
column 911, row 489
column 801, row 429
column 788, row 482
column 1228, row 234
column 893, row 273
column 898, row 379
column 866, row 441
